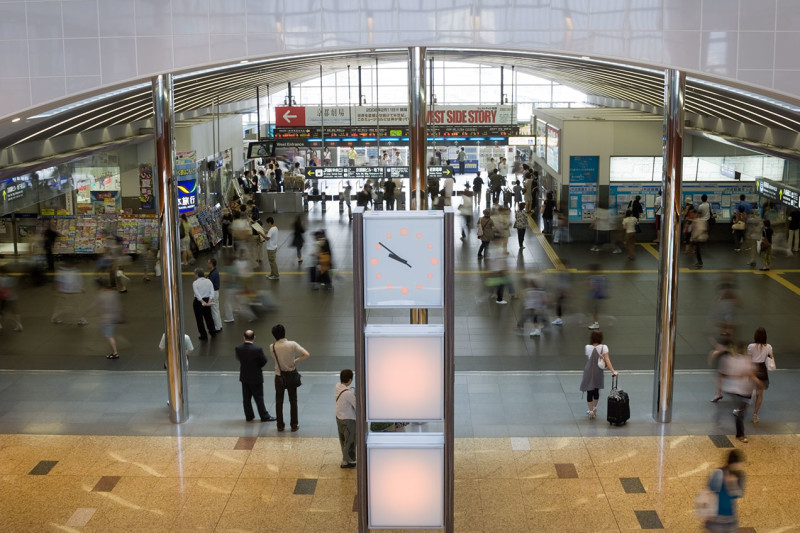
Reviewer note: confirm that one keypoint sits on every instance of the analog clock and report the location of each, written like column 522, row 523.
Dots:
column 403, row 255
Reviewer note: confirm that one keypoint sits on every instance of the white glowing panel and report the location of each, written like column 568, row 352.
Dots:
column 403, row 259
column 405, row 372
column 406, row 483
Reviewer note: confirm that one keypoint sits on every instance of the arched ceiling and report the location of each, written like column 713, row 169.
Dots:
column 711, row 107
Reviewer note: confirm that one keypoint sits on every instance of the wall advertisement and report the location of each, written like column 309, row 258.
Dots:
column 186, row 170
column 584, row 171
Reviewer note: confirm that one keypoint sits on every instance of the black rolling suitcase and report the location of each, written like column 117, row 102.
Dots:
column 619, row 406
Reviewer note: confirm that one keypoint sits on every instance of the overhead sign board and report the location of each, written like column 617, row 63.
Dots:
column 331, row 116
column 261, row 149
column 355, row 173
column 779, row 192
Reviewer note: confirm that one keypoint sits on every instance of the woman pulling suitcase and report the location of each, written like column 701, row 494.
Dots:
column 597, row 360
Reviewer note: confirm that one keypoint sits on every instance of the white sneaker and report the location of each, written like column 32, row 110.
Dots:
column 536, row 333
column 557, row 322
column 501, row 302
column 595, row 326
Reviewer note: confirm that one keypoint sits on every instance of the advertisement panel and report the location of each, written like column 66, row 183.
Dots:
column 584, row 171
column 186, row 170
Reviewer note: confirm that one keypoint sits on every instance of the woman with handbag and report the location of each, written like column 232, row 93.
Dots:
column 286, row 354
column 738, row 226
column 597, row 361
column 765, row 246
column 763, row 359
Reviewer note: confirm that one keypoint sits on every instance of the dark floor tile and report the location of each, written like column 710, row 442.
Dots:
column 42, row 468
column 746, row 530
column 305, row 486
column 721, row 441
column 632, row 485
column 649, row 520
column 566, row 470
column 106, row 484
column 355, row 503
column 245, row 443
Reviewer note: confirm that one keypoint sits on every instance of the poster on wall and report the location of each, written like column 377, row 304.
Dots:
column 186, row 170
column 146, row 198
column 584, row 171
column 552, row 152
column 105, row 202
column 722, row 197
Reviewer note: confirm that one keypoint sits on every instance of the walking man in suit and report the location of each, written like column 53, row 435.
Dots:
column 251, row 360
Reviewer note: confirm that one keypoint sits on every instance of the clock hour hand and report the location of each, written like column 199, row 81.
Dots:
column 394, row 256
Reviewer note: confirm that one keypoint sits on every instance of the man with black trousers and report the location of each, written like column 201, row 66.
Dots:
column 203, row 291
column 251, row 360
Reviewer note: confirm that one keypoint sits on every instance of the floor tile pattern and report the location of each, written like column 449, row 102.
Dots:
column 632, row 485
column 175, row 484
column 42, row 468
column 721, row 441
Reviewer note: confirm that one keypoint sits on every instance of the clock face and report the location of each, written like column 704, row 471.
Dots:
column 403, row 259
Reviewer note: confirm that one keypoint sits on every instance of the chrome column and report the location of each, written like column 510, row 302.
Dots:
column 449, row 369
column 417, row 131
column 170, row 248
column 667, row 300
column 360, row 320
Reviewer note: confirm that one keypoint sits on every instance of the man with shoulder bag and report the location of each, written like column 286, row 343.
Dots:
column 286, row 354
column 485, row 231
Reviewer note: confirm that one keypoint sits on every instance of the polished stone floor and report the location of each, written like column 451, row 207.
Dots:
column 230, row 484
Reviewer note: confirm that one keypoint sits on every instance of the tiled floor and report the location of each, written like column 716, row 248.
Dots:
column 568, row 484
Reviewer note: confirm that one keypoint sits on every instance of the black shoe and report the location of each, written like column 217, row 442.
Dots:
column 295, row 428
column 269, row 419
column 202, row 338
column 348, row 465
column 248, row 419
column 281, row 428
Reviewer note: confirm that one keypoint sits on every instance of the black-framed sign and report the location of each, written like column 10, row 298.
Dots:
column 261, row 149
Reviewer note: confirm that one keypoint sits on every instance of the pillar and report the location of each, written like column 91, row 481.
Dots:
column 166, row 183
column 417, row 130
column 667, row 299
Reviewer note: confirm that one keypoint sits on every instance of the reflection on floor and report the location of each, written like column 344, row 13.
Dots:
column 569, row 484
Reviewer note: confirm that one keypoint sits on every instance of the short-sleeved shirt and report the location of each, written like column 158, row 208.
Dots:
column 287, row 351
column 272, row 238
column 629, row 223
column 759, row 352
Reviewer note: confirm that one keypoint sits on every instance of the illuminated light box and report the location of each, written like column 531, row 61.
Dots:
column 405, row 372
column 406, row 481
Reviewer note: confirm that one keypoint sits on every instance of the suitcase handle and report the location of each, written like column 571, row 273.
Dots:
column 613, row 381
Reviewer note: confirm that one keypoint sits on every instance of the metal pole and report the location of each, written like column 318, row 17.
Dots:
column 449, row 369
column 417, row 126
column 501, row 84
column 667, row 301
column 170, row 248
column 258, row 115
column 360, row 93
column 377, row 115
column 321, row 113
column 360, row 320
column 16, row 235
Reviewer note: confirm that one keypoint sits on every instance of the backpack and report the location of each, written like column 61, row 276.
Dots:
column 480, row 229
column 706, row 503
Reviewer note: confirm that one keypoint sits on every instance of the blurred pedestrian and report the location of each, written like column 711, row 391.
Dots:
column 728, row 485
column 346, row 418
column 765, row 246
column 760, row 352
column 485, row 232
column 738, row 380
column 188, row 347
column 8, row 300
column 477, row 186
column 185, row 232
column 321, row 271
column 50, row 235
column 287, row 354
column 109, row 307
column 547, row 210
column 69, row 288
column 592, row 380
column 213, row 277
column 630, row 224
column 738, row 227
column 657, row 208
column 535, row 304
column 298, row 239
column 466, row 211
column 521, row 224
column 597, row 293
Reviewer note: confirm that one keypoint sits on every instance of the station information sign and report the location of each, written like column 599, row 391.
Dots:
column 348, row 173
column 441, row 172
column 779, row 192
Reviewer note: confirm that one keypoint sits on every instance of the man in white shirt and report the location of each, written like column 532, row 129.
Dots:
column 203, row 291
column 188, row 347
column 346, row 418
column 271, row 244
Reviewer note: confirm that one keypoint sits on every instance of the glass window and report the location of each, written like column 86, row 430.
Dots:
column 490, row 94
column 632, row 168
column 392, row 94
column 468, row 94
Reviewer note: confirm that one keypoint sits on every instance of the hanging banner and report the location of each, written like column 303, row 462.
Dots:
column 186, row 170
column 146, row 198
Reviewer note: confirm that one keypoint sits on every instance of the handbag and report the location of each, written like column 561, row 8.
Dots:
column 738, row 225
column 291, row 378
column 601, row 361
column 770, row 362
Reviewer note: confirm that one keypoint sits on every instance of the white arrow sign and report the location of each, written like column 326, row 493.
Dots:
column 287, row 116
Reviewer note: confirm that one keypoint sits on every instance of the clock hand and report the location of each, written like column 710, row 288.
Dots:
column 394, row 256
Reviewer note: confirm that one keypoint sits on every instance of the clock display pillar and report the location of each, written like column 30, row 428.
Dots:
column 404, row 260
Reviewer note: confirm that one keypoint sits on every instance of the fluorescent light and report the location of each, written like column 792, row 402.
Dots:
column 93, row 99
column 15, row 119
